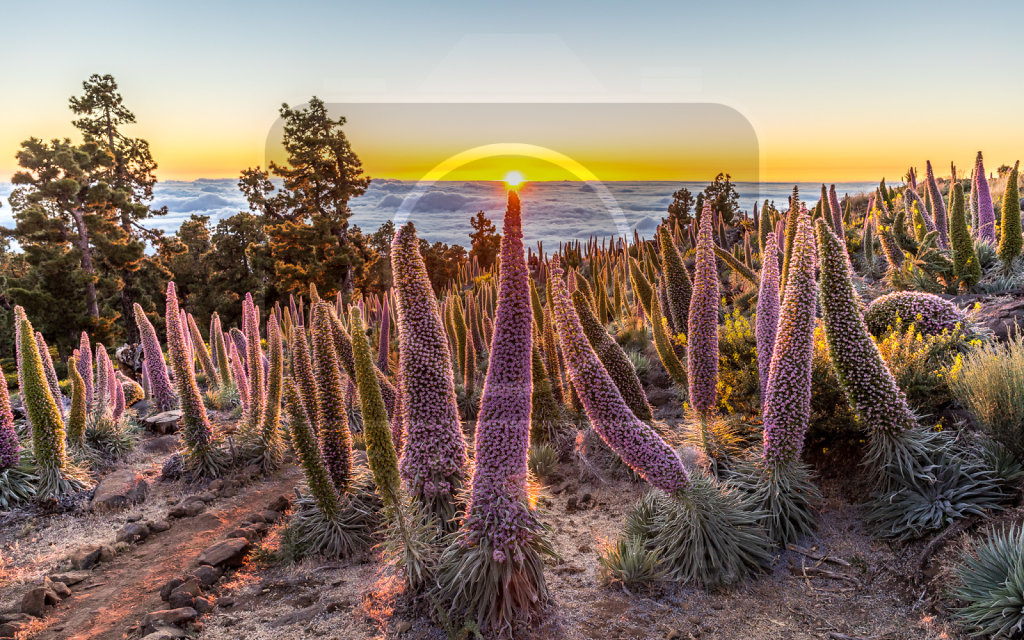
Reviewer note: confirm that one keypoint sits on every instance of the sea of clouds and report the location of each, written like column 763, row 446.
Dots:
column 553, row 212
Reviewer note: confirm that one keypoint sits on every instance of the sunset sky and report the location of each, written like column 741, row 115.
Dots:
column 814, row 91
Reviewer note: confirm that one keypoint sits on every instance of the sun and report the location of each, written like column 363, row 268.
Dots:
column 514, row 178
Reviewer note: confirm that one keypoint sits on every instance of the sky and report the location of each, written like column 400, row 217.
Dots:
column 815, row 91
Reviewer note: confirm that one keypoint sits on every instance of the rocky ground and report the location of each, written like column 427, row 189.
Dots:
column 150, row 558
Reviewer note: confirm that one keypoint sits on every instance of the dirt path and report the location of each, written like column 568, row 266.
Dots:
column 121, row 592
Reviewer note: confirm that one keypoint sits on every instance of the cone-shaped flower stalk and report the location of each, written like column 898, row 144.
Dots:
column 241, row 379
column 202, row 353
column 85, row 365
column 965, row 260
column 866, row 381
column 677, row 282
column 938, row 207
column 986, row 212
column 434, row 454
column 1010, row 239
column 10, row 449
column 51, row 373
column 788, row 234
column 636, row 442
column 104, row 401
column 702, row 333
column 613, row 357
column 220, row 351
column 254, row 359
column 270, row 449
column 119, row 399
column 666, row 350
column 200, row 454
column 241, row 344
column 156, row 371
column 76, row 416
column 335, row 439
column 384, row 338
column 641, row 286
column 500, row 538
column 307, row 450
column 380, row 448
column 787, row 407
column 767, row 311
column 836, row 212
column 302, row 373
column 57, row 477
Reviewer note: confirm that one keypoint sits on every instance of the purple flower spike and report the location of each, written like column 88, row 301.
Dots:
column 767, row 310
column 637, row 443
column 787, row 408
column 986, row 213
column 498, row 510
column 702, row 336
column 156, row 370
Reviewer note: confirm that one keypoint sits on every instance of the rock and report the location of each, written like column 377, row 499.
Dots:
column 202, row 605
column 158, row 526
column 106, row 553
column 133, row 517
column 295, row 617
column 169, row 586
column 162, row 444
column 255, row 518
column 86, row 557
column 1002, row 315
column 188, row 509
column 70, row 578
column 179, row 600
column 190, row 586
column 207, row 575
column 15, row 617
column 269, row 516
column 280, row 503
column 166, row 422
column 225, row 602
column 62, row 590
column 403, row 626
column 166, row 633
column 11, row 629
column 216, row 485
column 169, row 617
column 118, row 490
column 228, row 553
column 249, row 533
column 34, row 602
column 133, row 532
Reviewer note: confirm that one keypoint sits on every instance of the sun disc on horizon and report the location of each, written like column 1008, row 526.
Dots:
column 514, row 178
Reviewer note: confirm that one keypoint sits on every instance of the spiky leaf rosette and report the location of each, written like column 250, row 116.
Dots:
column 268, row 448
column 787, row 406
column 332, row 420
column 767, row 310
column 986, row 212
column 201, row 456
column 57, row 475
column 639, row 445
column 991, row 576
column 433, row 460
column 702, row 333
column 1010, row 239
column 710, row 535
column 931, row 481
column 501, row 540
column 677, row 281
column 77, row 414
column 613, row 357
column 10, row 449
column 156, row 370
column 380, row 448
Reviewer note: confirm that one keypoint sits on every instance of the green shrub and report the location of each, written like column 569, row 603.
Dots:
column 922, row 364
column 739, row 386
column 990, row 384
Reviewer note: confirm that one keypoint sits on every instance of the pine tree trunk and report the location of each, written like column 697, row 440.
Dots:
column 83, row 247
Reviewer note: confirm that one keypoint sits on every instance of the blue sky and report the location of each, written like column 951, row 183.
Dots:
column 845, row 90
